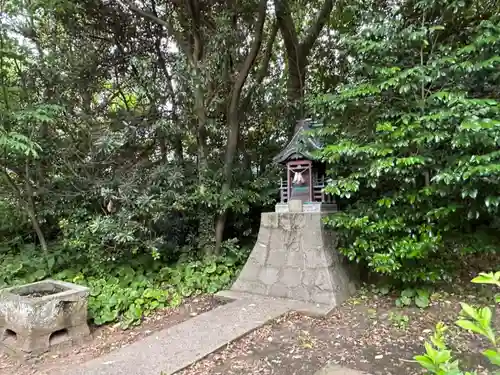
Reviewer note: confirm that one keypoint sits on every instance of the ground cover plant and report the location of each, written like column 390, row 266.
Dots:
column 128, row 290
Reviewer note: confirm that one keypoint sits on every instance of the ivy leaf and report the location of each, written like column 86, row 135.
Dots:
column 211, row 268
column 408, row 293
column 422, row 301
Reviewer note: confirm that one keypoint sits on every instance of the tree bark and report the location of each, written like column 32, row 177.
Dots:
column 29, row 206
column 233, row 118
column 297, row 52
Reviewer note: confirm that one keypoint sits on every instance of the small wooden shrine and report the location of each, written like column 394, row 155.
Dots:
column 305, row 176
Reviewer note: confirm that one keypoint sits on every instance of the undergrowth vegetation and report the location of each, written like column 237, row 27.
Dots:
column 438, row 358
column 127, row 290
column 137, row 138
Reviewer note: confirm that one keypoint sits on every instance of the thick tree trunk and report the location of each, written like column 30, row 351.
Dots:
column 296, row 80
column 234, row 121
column 297, row 52
column 295, row 91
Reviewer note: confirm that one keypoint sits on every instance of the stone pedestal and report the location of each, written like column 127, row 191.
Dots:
column 295, row 257
column 299, row 206
column 35, row 317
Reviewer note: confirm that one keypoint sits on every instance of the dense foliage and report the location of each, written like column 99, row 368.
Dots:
column 414, row 137
column 136, row 137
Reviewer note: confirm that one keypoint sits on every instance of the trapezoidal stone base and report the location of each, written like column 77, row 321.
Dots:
column 295, row 257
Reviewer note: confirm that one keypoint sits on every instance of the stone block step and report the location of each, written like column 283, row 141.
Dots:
column 315, row 310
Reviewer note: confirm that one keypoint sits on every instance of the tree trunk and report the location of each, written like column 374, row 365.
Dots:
column 31, row 209
column 295, row 91
column 38, row 230
column 205, row 225
column 232, row 145
column 29, row 206
column 233, row 119
column 297, row 53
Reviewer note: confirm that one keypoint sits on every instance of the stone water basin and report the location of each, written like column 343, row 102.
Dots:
column 36, row 317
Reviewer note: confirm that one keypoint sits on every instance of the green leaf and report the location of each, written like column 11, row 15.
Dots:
column 485, row 316
column 493, row 356
column 408, row 293
column 406, row 301
column 422, row 301
column 425, row 362
column 423, row 293
column 39, row 274
column 431, row 352
column 487, row 278
column 211, row 268
column 384, row 290
column 470, row 326
column 443, row 356
column 50, row 262
column 469, row 310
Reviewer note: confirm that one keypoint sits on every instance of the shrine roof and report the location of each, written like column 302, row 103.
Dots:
column 302, row 145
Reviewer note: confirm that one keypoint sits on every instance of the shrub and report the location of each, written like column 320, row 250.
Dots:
column 412, row 143
column 438, row 359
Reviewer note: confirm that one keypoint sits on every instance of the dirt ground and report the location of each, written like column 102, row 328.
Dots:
column 368, row 333
column 108, row 338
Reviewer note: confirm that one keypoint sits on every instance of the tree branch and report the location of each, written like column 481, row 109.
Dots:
column 250, row 59
column 268, row 52
column 314, row 30
column 264, row 67
column 287, row 27
column 194, row 12
column 158, row 21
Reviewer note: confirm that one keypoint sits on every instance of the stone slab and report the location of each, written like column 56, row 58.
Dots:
column 308, row 207
column 295, row 206
column 337, row 370
column 310, row 309
column 170, row 350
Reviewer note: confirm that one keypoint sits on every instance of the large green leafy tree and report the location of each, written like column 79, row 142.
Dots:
column 25, row 116
column 132, row 145
column 413, row 140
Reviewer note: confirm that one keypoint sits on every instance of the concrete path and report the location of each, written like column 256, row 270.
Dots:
column 172, row 349
column 175, row 348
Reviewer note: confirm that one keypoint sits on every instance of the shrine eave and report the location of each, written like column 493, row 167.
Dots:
column 301, row 146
